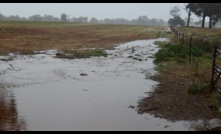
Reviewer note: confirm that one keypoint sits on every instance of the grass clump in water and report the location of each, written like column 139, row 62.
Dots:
column 78, row 54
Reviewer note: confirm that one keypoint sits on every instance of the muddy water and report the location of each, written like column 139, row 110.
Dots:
column 84, row 94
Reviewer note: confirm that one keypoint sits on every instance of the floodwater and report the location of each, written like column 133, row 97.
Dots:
column 92, row 94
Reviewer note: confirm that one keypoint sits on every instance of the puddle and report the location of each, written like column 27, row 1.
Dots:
column 85, row 94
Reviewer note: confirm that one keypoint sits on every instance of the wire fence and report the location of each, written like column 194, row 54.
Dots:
column 205, row 58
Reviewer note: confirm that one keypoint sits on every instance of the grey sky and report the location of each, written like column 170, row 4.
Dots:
column 98, row 10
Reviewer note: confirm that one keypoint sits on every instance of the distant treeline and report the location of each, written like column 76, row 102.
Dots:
column 141, row 20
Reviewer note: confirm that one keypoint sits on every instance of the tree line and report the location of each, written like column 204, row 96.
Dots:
column 203, row 10
column 140, row 20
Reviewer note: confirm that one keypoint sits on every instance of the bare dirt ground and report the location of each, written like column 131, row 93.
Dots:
column 170, row 99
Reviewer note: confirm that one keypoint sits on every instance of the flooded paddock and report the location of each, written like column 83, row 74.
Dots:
column 89, row 94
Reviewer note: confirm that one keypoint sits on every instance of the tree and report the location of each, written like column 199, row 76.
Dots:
column 82, row 19
column 200, row 10
column 176, row 20
column 48, row 18
column 23, row 19
column 74, row 19
column 214, row 13
column 142, row 20
column 189, row 8
column 191, row 21
column 12, row 17
column 2, row 17
column 64, row 17
column 94, row 20
column 175, row 11
column 121, row 21
column 204, row 9
column 36, row 17
column 211, row 10
column 68, row 18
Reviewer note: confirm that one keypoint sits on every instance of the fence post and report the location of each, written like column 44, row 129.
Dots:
column 183, row 39
column 178, row 36
column 213, row 69
column 190, row 52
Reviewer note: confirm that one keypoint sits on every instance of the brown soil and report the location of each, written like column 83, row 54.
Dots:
column 171, row 100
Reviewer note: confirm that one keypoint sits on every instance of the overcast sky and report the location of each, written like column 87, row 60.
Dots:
column 98, row 10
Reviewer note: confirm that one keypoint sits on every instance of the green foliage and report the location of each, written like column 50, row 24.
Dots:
column 176, row 21
column 200, row 78
column 196, row 51
column 211, row 10
column 204, row 47
column 171, row 51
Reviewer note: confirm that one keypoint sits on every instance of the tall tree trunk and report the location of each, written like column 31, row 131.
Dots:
column 203, row 21
column 210, row 22
column 188, row 21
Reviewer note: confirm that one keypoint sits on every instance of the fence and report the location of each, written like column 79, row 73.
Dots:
column 195, row 55
column 216, row 72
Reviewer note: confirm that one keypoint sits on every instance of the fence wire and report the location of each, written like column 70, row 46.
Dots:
column 201, row 59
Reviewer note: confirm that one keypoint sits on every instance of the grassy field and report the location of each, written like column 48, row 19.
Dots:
column 212, row 34
column 202, row 35
column 25, row 37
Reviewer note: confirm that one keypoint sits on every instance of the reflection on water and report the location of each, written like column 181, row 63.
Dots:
column 52, row 95
column 9, row 120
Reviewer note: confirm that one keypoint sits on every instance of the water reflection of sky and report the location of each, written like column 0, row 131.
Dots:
column 52, row 95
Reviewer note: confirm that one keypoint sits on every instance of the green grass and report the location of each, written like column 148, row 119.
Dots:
column 200, row 69
column 77, row 54
column 171, row 51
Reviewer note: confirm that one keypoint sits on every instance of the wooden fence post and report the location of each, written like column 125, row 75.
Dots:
column 183, row 39
column 178, row 33
column 190, row 52
column 213, row 69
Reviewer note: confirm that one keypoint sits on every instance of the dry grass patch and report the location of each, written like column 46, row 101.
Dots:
column 35, row 36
